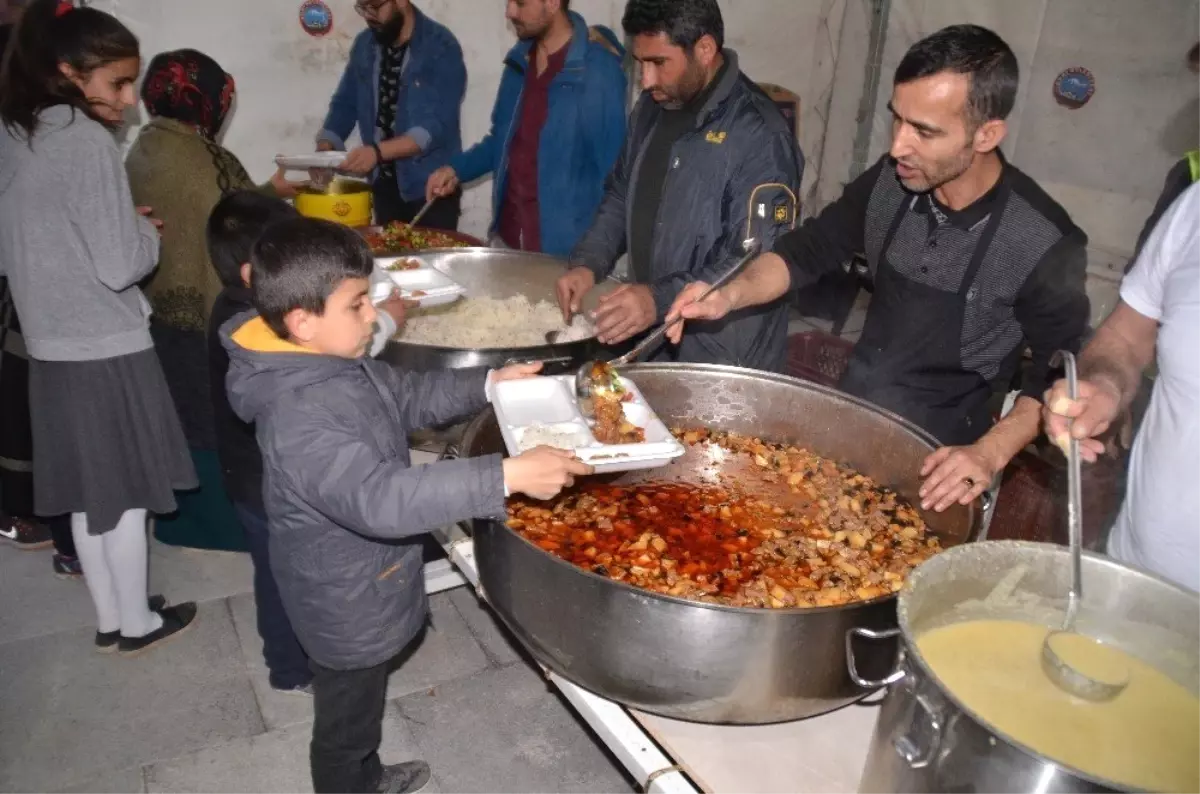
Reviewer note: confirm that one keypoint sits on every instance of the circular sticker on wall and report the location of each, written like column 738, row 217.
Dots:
column 1074, row 87
column 316, row 17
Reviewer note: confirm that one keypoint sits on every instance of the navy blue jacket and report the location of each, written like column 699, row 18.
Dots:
column 584, row 132
column 736, row 175
column 432, row 84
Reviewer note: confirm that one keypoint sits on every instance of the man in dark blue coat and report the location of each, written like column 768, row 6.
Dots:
column 708, row 162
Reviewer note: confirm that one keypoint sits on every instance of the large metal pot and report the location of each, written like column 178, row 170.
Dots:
column 498, row 273
column 695, row 661
column 926, row 741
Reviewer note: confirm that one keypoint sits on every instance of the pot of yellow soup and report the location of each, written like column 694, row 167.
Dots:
column 968, row 707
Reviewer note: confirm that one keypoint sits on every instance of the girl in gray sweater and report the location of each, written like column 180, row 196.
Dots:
column 107, row 444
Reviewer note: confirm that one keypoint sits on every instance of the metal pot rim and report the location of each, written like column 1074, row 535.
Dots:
column 473, row 426
column 912, row 652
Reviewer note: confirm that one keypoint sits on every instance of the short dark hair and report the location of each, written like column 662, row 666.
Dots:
column 83, row 38
column 684, row 21
column 973, row 51
column 298, row 263
column 233, row 226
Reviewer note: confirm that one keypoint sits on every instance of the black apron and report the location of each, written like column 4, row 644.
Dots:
column 908, row 359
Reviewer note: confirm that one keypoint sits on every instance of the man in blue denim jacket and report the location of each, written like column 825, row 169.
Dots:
column 558, row 125
column 403, row 89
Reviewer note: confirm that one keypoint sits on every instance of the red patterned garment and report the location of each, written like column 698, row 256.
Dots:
column 189, row 87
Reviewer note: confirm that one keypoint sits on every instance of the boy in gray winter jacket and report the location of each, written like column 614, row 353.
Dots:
column 342, row 499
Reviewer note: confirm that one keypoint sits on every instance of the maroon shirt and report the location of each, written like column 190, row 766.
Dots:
column 520, row 226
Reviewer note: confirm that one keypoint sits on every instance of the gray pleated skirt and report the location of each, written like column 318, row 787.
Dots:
column 106, row 439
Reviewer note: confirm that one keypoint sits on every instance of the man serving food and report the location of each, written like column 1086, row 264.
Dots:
column 972, row 262
column 708, row 161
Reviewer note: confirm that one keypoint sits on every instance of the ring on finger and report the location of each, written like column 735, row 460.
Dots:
column 969, row 482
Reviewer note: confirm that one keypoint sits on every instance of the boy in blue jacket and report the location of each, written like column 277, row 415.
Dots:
column 557, row 127
column 343, row 501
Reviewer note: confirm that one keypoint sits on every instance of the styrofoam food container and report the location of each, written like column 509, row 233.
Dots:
column 301, row 162
column 435, row 287
column 546, row 405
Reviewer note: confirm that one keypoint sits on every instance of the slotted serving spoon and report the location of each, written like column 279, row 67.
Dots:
column 1066, row 676
column 584, row 377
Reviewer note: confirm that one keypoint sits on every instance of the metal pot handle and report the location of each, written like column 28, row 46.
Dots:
column 908, row 748
column 870, row 634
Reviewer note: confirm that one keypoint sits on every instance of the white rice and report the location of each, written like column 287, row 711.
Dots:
column 481, row 323
column 560, row 436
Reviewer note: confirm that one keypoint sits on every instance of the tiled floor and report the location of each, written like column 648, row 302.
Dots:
column 198, row 715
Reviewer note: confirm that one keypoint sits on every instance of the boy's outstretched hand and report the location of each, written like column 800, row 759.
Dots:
column 517, row 371
column 543, row 472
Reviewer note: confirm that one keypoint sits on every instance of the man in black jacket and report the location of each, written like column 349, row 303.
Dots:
column 708, row 162
column 972, row 262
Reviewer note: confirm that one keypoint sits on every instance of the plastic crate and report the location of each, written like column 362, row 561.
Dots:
column 818, row 356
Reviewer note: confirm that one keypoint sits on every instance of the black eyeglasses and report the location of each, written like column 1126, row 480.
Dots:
column 365, row 8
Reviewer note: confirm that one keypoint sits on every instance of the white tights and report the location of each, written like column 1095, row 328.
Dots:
column 115, row 567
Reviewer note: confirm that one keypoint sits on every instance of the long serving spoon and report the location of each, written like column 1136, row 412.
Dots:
column 1066, row 675
column 599, row 373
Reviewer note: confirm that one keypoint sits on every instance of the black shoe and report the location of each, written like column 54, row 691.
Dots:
column 67, row 567
column 106, row 641
column 406, row 778
column 176, row 620
column 25, row 534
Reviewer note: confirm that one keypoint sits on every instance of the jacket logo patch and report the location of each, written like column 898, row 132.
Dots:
column 714, row 137
column 341, row 209
column 781, row 214
column 389, row 571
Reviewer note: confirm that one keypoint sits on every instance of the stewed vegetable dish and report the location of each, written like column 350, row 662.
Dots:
column 838, row 537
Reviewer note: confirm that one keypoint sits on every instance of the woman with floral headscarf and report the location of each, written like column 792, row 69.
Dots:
column 177, row 167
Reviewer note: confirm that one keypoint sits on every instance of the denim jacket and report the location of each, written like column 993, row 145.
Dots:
column 432, row 83
column 584, row 133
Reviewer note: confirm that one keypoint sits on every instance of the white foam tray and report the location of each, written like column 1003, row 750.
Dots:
column 436, row 287
column 299, row 162
column 550, row 402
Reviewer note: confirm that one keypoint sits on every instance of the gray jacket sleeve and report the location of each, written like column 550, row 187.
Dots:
column 121, row 243
column 761, row 196
column 344, row 477
column 606, row 239
column 435, row 398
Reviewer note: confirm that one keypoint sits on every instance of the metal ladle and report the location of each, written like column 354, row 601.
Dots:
column 1067, row 677
column 421, row 214
column 584, row 380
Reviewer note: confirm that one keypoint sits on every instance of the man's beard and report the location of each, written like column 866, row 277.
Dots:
column 386, row 33
column 531, row 32
column 944, row 171
column 688, row 88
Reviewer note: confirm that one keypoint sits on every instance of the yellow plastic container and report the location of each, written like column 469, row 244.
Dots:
column 345, row 201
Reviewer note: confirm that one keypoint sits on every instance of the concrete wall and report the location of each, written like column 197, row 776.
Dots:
column 285, row 77
column 1105, row 162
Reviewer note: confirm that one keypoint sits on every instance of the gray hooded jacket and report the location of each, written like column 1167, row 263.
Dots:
column 341, row 496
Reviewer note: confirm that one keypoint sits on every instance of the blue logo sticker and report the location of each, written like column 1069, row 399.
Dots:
column 1074, row 87
column 316, row 17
